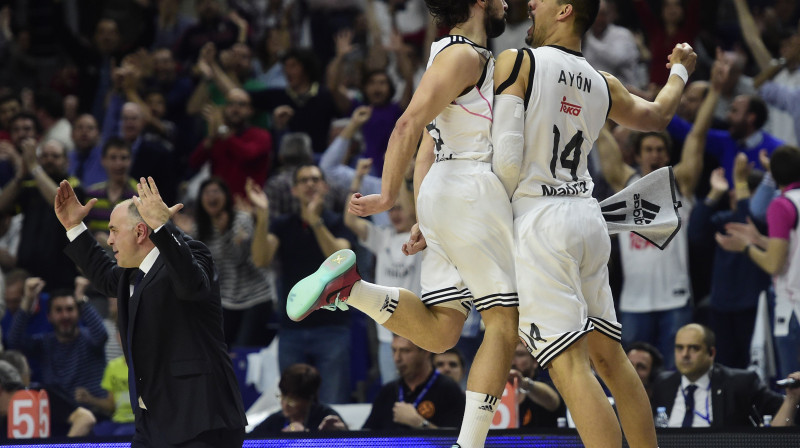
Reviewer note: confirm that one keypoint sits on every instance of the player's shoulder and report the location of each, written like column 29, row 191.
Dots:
column 507, row 59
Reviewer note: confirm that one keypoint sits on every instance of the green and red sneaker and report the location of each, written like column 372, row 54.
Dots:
column 327, row 288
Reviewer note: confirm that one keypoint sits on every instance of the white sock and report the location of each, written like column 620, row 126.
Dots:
column 377, row 302
column 478, row 415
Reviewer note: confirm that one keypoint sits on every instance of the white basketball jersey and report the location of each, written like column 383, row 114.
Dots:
column 463, row 129
column 566, row 106
column 787, row 282
column 655, row 279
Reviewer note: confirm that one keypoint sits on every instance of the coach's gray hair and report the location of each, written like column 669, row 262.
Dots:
column 133, row 212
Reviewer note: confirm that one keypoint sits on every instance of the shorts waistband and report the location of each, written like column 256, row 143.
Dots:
column 461, row 166
column 525, row 203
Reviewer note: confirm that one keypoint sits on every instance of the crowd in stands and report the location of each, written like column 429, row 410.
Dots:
column 265, row 117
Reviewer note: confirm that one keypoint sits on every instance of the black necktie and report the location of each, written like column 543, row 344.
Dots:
column 137, row 279
column 688, row 398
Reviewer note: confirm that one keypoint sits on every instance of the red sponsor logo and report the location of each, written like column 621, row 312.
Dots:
column 568, row 108
column 639, row 243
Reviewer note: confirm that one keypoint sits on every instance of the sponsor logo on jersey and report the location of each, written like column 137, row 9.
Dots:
column 569, row 108
column 570, row 189
column 644, row 212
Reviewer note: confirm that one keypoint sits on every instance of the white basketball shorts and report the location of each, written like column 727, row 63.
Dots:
column 466, row 218
column 562, row 249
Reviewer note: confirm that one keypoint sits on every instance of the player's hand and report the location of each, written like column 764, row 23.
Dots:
column 151, row 207
column 685, row 55
column 416, row 241
column 369, row 205
column 69, row 210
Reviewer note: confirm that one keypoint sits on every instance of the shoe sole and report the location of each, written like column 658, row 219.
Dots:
column 335, row 274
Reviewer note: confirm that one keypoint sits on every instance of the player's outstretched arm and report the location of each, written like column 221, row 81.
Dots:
column 454, row 70
column 637, row 113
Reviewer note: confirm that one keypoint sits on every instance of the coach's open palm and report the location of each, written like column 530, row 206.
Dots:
column 154, row 211
column 69, row 210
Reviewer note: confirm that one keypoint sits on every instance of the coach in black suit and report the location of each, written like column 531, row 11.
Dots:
column 183, row 389
column 717, row 396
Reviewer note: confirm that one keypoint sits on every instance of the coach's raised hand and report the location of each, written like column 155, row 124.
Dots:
column 69, row 210
column 151, row 207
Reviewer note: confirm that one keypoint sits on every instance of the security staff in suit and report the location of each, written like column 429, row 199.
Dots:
column 183, row 389
column 704, row 394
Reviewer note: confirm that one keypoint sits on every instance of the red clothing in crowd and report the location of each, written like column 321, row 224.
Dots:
column 237, row 157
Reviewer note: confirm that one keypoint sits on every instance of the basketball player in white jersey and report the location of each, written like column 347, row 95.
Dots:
column 463, row 213
column 550, row 106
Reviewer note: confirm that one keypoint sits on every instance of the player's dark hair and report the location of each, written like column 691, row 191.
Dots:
column 785, row 165
column 585, row 13
column 449, row 13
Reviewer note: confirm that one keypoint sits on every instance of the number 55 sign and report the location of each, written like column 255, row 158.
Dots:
column 29, row 415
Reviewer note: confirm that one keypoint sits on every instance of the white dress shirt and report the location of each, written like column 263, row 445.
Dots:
column 702, row 403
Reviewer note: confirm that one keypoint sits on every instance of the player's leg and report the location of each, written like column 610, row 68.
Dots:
column 488, row 374
column 633, row 406
column 605, row 350
column 337, row 284
column 593, row 415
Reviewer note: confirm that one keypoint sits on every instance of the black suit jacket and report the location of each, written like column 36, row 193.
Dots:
column 183, row 372
column 734, row 393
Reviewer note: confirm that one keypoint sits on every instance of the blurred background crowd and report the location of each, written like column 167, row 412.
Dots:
column 264, row 116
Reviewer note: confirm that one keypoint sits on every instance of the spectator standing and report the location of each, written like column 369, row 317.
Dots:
column 119, row 187
column 300, row 242
column 32, row 190
column 236, row 149
column 736, row 281
column 227, row 229
column 85, row 161
column 778, row 254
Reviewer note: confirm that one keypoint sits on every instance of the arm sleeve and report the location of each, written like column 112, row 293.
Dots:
column 507, row 137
